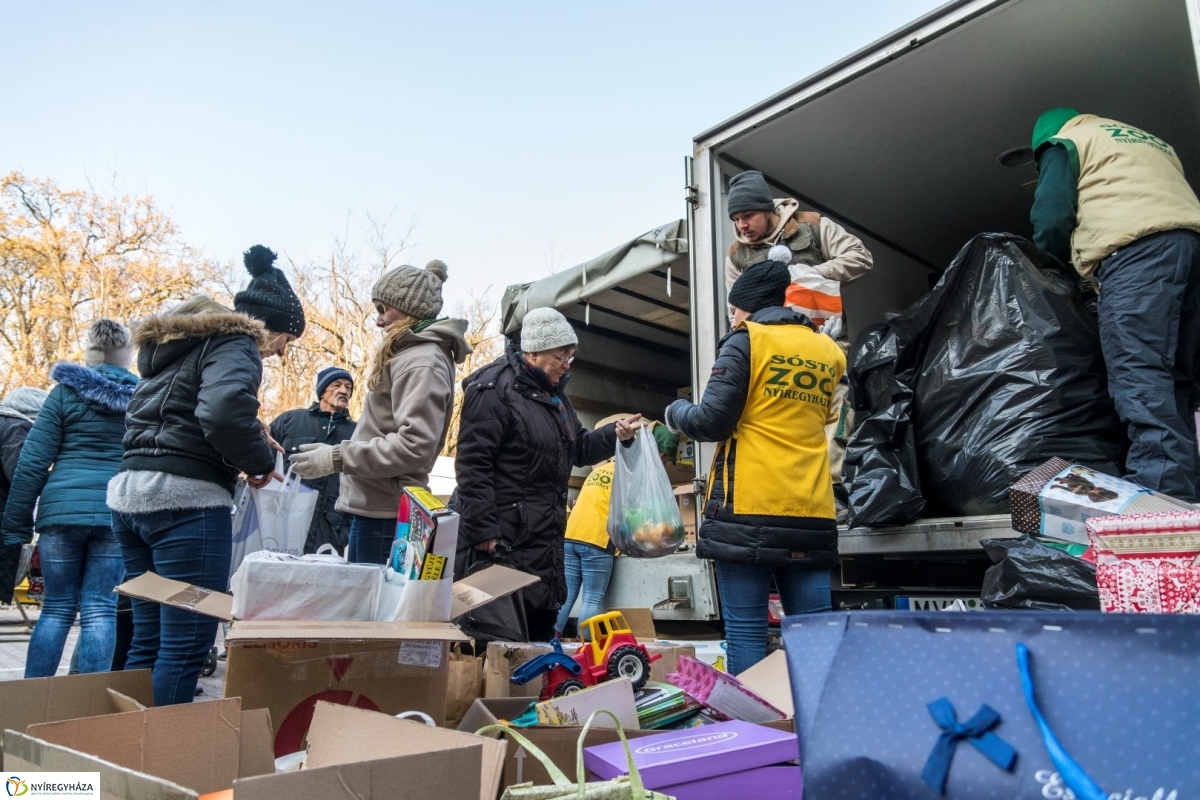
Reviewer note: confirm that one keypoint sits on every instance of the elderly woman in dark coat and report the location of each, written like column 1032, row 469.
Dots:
column 518, row 440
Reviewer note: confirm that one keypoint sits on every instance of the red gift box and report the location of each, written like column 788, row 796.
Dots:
column 1148, row 563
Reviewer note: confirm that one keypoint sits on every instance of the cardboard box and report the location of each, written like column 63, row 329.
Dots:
column 1058, row 498
column 504, row 657
column 688, row 509
column 288, row 666
column 179, row 751
column 681, row 763
column 363, row 755
column 770, row 680
column 29, row 702
column 558, row 743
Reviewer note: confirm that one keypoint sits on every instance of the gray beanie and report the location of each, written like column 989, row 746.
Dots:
column 546, row 329
column 748, row 191
column 108, row 342
column 25, row 400
column 415, row 291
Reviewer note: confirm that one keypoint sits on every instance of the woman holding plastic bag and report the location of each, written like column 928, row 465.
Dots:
column 769, row 512
column 410, row 397
column 588, row 550
column 191, row 427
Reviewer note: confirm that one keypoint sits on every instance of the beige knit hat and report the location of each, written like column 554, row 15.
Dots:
column 415, row 291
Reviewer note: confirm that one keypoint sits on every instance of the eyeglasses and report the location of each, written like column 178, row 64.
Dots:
column 566, row 361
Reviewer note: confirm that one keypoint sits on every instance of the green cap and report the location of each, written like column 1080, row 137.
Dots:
column 668, row 443
column 1049, row 124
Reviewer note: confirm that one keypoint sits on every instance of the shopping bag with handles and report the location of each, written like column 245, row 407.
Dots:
column 996, row 705
column 284, row 511
column 624, row 787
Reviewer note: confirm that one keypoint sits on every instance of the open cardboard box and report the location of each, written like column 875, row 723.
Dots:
column 556, row 742
column 35, row 700
column 427, row 762
column 165, row 753
column 288, row 667
column 186, row 751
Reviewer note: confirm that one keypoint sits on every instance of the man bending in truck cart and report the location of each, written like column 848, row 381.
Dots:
column 1113, row 201
column 768, row 510
column 823, row 256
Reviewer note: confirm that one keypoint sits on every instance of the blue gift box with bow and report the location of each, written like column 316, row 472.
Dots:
column 996, row 704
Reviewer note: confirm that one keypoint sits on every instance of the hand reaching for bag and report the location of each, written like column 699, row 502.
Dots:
column 628, row 427
column 259, row 481
column 314, row 460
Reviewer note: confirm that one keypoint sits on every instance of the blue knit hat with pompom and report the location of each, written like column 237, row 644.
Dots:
column 269, row 297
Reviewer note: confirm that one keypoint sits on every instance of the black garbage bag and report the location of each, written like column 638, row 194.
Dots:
column 879, row 472
column 1027, row 574
column 1005, row 365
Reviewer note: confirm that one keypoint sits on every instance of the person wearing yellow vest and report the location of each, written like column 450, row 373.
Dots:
column 1113, row 200
column 824, row 255
column 587, row 551
column 768, row 511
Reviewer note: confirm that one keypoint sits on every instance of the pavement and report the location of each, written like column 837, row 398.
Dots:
column 14, row 642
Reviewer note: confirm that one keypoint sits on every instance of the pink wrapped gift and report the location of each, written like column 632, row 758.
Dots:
column 1148, row 563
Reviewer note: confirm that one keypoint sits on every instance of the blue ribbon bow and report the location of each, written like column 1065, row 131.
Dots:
column 976, row 730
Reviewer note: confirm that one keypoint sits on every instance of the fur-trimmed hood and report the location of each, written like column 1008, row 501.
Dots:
column 105, row 388
column 163, row 338
column 198, row 318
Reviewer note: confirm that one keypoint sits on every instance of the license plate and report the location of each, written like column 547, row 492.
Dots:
column 915, row 603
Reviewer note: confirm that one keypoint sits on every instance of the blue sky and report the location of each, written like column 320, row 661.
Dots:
column 515, row 134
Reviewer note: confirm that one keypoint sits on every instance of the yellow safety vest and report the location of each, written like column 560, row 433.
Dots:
column 589, row 519
column 777, row 461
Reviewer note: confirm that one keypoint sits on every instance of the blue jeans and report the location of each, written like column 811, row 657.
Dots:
column 370, row 540
column 80, row 565
column 587, row 567
column 1150, row 334
column 192, row 545
column 745, row 590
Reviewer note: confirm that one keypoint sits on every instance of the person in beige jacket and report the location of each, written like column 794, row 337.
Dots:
column 824, row 255
column 409, row 401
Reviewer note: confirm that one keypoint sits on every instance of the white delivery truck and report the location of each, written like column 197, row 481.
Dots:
column 909, row 143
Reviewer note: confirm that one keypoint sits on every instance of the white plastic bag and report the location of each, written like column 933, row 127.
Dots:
column 245, row 527
column 278, row 586
column 284, row 512
column 643, row 515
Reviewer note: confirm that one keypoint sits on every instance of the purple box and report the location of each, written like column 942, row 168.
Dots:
column 776, row 783
column 685, row 763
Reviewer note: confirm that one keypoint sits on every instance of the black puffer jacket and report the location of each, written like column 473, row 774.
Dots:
column 726, row 535
column 517, row 443
column 306, row 426
column 195, row 411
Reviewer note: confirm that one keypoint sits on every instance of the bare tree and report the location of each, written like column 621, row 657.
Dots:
column 487, row 342
column 68, row 257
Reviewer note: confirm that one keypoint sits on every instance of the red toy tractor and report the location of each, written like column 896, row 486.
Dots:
column 609, row 650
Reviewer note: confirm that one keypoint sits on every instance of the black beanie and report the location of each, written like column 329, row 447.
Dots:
column 269, row 297
column 761, row 286
column 748, row 191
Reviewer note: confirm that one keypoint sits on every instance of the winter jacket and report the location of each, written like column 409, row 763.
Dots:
column 306, row 426
column 195, row 411
column 770, row 497
column 840, row 255
column 403, row 428
column 1128, row 184
column 71, row 452
column 14, row 427
column 518, row 440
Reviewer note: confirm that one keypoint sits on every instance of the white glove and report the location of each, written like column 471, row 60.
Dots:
column 833, row 327
column 314, row 460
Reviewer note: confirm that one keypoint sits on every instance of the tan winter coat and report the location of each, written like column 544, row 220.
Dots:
column 846, row 257
column 402, row 429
